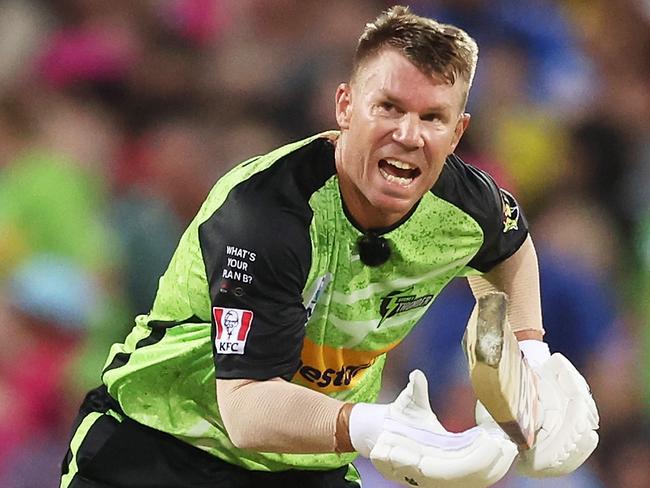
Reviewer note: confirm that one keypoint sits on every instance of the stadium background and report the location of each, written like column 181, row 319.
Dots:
column 116, row 117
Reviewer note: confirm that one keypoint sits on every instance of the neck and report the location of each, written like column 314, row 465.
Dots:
column 363, row 214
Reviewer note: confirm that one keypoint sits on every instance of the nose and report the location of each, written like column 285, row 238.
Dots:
column 408, row 133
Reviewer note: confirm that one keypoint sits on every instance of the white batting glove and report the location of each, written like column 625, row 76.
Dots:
column 566, row 434
column 407, row 444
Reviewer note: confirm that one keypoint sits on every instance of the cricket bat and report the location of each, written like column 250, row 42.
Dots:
column 501, row 377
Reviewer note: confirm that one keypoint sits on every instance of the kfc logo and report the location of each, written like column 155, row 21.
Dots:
column 233, row 325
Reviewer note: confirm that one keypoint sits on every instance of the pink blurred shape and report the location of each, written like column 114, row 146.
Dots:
column 88, row 53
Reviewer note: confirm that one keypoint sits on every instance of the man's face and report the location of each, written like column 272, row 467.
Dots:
column 397, row 127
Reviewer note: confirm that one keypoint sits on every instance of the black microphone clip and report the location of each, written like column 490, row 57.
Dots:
column 374, row 250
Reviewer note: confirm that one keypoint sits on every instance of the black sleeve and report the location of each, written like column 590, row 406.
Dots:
column 257, row 256
column 497, row 212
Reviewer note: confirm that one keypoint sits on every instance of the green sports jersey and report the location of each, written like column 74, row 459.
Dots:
column 267, row 282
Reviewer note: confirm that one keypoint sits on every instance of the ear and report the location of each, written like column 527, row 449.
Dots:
column 343, row 105
column 459, row 130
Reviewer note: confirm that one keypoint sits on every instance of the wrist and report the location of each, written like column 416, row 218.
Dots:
column 342, row 441
column 535, row 352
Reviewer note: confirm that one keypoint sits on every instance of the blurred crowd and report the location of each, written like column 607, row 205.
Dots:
column 117, row 117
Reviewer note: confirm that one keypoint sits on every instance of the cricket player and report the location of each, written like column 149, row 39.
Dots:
column 262, row 355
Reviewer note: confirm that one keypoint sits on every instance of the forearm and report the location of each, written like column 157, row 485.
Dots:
column 518, row 277
column 403, row 439
column 278, row 416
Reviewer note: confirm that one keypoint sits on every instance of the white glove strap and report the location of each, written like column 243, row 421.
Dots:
column 366, row 422
column 535, row 352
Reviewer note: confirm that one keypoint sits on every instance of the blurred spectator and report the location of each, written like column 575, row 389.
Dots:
column 558, row 75
column 24, row 27
column 93, row 51
column 624, row 454
column 52, row 193
column 641, row 295
column 527, row 138
column 48, row 302
column 159, row 184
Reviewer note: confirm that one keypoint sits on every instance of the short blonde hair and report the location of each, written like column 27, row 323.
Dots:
column 433, row 47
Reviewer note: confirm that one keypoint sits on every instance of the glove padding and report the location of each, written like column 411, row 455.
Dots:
column 567, row 434
column 414, row 449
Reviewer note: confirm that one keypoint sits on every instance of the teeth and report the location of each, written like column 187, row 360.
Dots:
column 396, row 179
column 399, row 164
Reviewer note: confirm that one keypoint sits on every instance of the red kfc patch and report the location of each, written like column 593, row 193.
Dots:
column 233, row 326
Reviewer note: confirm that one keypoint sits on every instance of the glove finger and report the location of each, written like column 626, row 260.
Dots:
column 572, row 382
column 580, row 452
column 582, row 449
column 382, row 462
column 405, row 467
column 482, row 415
column 508, row 452
column 476, row 460
column 412, row 404
column 394, row 461
column 420, row 389
column 402, row 457
column 416, row 393
column 585, row 446
column 566, row 375
column 381, row 452
column 508, row 448
column 566, row 449
column 575, row 387
column 473, row 459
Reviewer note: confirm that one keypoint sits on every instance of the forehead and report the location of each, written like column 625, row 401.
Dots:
column 391, row 74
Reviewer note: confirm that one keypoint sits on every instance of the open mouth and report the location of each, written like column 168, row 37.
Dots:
column 396, row 171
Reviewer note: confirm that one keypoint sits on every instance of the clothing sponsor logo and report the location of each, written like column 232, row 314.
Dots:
column 233, row 325
column 399, row 301
column 329, row 369
column 510, row 211
column 329, row 376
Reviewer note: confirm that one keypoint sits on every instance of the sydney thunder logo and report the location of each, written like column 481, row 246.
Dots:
column 510, row 212
column 399, row 301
